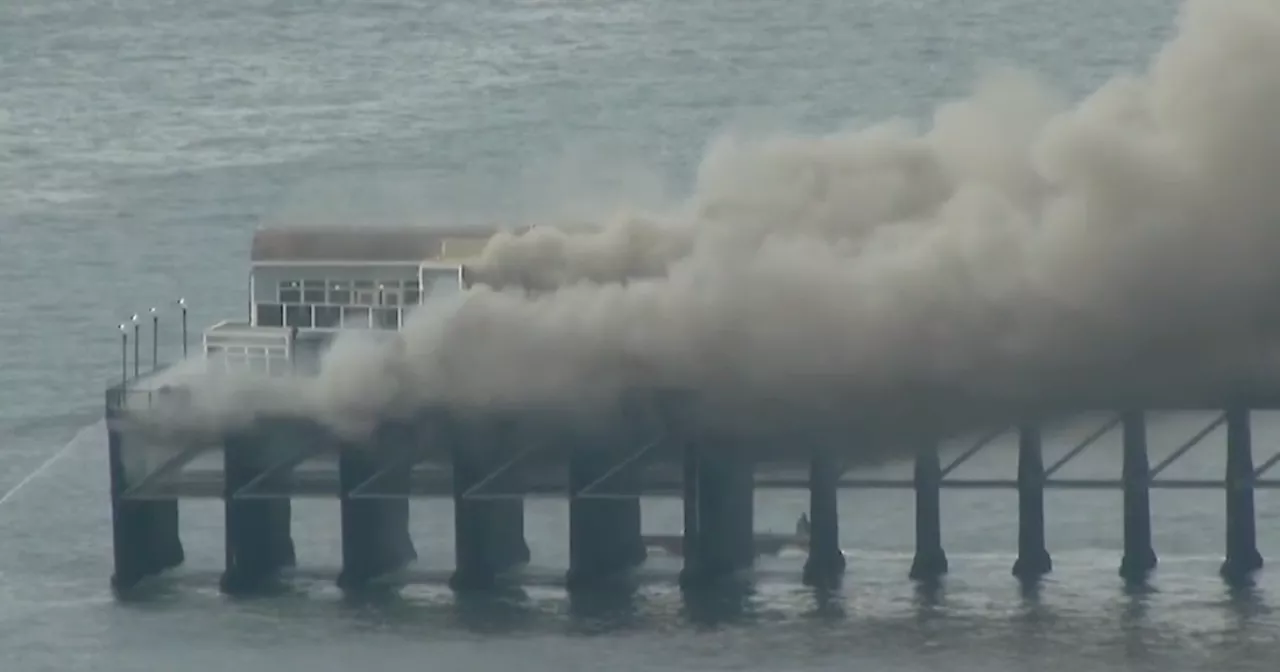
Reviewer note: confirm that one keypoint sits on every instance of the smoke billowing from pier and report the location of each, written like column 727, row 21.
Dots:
column 1018, row 252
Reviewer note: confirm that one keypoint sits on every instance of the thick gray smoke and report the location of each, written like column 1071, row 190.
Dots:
column 1021, row 253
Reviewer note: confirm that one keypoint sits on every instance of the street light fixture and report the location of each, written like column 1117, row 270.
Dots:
column 155, row 339
column 183, row 304
column 124, row 356
column 136, row 327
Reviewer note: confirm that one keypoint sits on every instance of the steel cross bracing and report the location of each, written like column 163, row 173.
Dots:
column 1257, row 481
column 489, row 487
column 636, row 460
column 259, row 486
column 152, row 485
column 646, row 466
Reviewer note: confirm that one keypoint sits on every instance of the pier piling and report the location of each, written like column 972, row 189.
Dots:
column 826, row 563
column 604, row 529
column 258, row 536
column 375, row 529
column 145, row 536
column 930, row 560
column 1139, row 553
column 719, row 493
column 1033, row 556
column 488, row 530
column 1243, row 558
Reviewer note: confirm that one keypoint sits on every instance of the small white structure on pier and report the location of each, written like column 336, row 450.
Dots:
column 308, row 283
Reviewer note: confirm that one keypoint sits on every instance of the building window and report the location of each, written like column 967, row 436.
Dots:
column 412, row 293
column 386, row 318
column 357, row 304
column 328, row 317
column 297, row 316
column 339, row 292
column 313, row 291
column 269, row 360
column 355, row 317
column 290, row 291
column 269, row 315
column 389, row 294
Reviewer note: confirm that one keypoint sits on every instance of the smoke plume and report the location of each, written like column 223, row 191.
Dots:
column 1018, row 254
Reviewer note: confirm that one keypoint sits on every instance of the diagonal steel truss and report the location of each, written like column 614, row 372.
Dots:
column 259, row 487
column 545, row 478
column 164, row 473
column 1197, row 439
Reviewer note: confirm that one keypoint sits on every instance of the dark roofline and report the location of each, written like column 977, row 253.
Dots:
column 374, row 244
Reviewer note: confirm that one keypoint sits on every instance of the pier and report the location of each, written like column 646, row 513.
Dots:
column 489, row 466
column 305, row 291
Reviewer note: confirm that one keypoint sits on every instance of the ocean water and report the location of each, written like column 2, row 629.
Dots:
column 141, row 141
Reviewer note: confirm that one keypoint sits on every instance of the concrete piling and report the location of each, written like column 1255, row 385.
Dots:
column 1139, row 554
column 930, row 560
column 258, row 536
column 719, row 495
column 1243, row 558
column 826, row 563
column 691, row 543
column 1033, row 556
column 488, row 529
column 605, row 528
column 145, row 535
column 375, row 523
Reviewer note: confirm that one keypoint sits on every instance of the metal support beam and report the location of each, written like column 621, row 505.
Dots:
column 589, row 491
column 274, row 471
column 1082, row 446
column 1266, row 466
column 971, row 451
column 400, row 465
column 476, row 491
column 1190, row 443
column 166, row 469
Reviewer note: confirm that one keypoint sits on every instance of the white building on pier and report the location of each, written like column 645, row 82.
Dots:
column 307, row 284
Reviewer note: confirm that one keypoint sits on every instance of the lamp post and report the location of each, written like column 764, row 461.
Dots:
column 136, row 327
column 124, row 356
column 155, row 339
column 183, row 304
